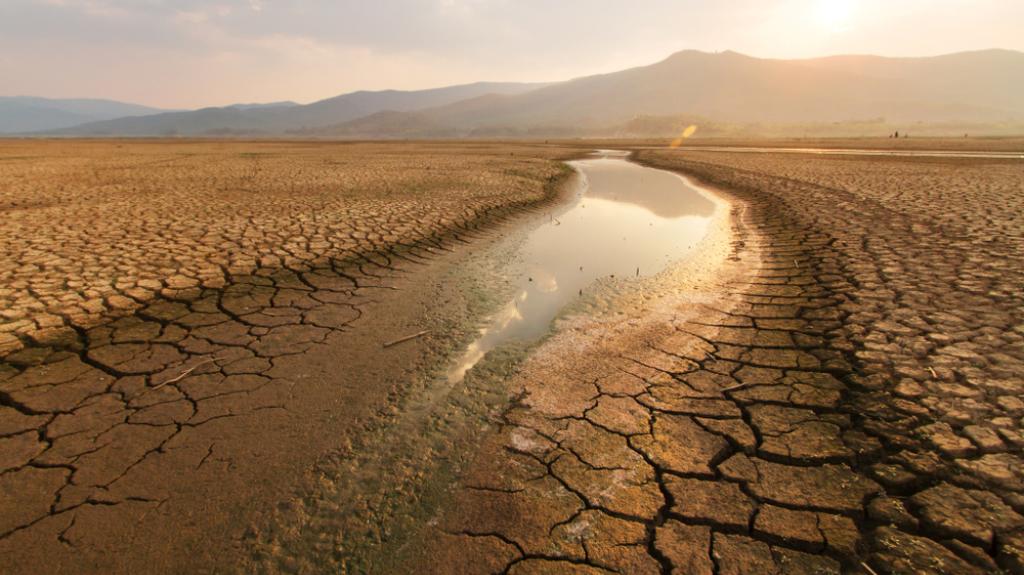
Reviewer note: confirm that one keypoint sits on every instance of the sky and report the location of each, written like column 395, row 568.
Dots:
column 195, row 53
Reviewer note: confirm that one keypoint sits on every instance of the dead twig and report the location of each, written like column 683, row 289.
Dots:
column 407, row 338
column 868, row 568
column 183, row 374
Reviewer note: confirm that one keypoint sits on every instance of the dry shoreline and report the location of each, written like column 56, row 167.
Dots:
column 177, row 477
column 804, row 420
column 519, row 507
column 920, row 314
column 469, row 414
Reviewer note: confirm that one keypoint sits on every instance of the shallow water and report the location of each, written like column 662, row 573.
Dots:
column 861, row 152
column 629, row 221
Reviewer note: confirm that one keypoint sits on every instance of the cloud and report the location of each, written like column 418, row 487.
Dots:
column 196, row 52
column 192, row 17
column 97, row 8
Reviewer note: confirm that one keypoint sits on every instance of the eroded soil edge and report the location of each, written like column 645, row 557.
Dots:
column 154, row 440
column 843, row 394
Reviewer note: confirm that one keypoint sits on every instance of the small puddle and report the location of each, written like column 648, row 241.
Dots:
column 628, row 221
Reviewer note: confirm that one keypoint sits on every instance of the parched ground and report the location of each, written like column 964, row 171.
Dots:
column 93, row 229
column 186, row 325
column 848, row 399
column 180, row 325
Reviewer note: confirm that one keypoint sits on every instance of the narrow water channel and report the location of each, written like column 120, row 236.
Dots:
column 628, row 221
column 625, row 221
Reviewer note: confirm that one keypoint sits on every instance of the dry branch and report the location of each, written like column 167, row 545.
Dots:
column 183, row 374
column 407, row 338
column 868, row 568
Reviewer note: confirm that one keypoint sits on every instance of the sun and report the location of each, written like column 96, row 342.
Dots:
column 834, row 15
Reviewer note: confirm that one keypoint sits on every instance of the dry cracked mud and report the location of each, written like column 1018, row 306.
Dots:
column 841, row 394
column 94, row 229
column 184, row 325
column 846, row 397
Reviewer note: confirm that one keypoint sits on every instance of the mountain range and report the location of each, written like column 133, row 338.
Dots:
column 284, row 118
column 723, row 89
column 32, row 114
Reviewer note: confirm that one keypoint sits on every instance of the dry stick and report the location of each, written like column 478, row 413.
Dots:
column 183, row 374
column 736, row 387
column 407, row 338
column 868, row 568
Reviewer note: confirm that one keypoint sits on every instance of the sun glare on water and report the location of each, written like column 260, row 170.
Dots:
column 834, row 15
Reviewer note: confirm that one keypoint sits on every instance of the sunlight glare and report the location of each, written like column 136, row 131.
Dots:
column 834, row 15
column 687, row 132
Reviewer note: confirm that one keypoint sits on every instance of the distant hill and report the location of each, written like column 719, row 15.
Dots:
column 282, row 119
column 32, row 114
column 724, row 93
column 285, row 104
column 972, row 87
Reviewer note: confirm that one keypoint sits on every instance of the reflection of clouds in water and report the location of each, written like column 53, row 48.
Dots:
column 473, row 354
column 546, row 281
column 657, row 191
column 660, row 213
column 507, row 316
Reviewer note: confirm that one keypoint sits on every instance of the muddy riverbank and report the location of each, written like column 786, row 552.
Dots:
column 160, row 439
column 839, row 397
column 433, row 435
column 842, row 400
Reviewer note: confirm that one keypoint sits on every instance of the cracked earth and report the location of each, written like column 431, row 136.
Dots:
column 839, row 391
column 173, row 313
column 846, row 399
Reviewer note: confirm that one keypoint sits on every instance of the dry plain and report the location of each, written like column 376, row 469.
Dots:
column 188, row 326
column 845, row 398
column 176, row 326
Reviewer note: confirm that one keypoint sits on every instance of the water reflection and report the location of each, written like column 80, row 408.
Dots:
column 630, row 221
column 654, row 190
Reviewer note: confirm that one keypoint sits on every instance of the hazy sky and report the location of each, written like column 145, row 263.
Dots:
column 191, row 53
